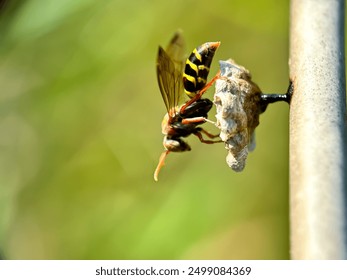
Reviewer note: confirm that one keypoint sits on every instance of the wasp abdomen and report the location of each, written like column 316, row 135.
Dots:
column 197, row 68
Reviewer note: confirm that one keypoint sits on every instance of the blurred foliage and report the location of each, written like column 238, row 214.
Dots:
column 80, row 115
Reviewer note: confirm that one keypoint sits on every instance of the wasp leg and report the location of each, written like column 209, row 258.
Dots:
column 194, row 120
column 202, row 140
column 200, row 93
column 210, row 135
column 207, row 120
column 160, row 164
column 207, row 86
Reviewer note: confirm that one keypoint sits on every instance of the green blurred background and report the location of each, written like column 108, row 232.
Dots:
column 80, row 116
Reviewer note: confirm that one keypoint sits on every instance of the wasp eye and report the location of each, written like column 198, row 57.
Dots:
column 175, row 145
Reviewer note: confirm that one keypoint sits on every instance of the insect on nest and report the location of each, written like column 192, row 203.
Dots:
column 176, row 77
column 238, row 100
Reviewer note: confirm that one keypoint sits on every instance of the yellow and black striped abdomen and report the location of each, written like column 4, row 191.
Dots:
column 197, row 68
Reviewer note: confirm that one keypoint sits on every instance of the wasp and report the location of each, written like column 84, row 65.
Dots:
column 176, row 78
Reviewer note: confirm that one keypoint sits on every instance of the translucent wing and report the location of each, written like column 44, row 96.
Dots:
column 176, row 50
column 169, row 72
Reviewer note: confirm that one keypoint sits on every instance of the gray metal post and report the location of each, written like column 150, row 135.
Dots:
column 318, row 130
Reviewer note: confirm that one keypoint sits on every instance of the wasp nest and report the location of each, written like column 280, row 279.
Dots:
column 237, row 100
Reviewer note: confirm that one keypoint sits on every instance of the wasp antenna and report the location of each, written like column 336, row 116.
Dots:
column 160, row 164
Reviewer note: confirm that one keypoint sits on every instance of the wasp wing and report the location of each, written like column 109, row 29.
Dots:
column 176, row 50
column 169, row 72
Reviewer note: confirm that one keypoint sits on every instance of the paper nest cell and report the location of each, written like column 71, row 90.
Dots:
column 237, row 100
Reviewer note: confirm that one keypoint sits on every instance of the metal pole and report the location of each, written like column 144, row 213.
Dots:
column 317, row 130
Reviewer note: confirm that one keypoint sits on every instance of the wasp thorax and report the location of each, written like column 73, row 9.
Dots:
column 175, row 145
column 237, row 100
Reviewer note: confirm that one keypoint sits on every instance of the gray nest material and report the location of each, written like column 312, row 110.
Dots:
column 237, row 99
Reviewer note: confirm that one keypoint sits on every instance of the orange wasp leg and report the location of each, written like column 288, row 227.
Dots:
column 210, row 135
column 196, row 119
column 199, row 135
column 200, row 93
column 160, row 164
column 193, row 120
